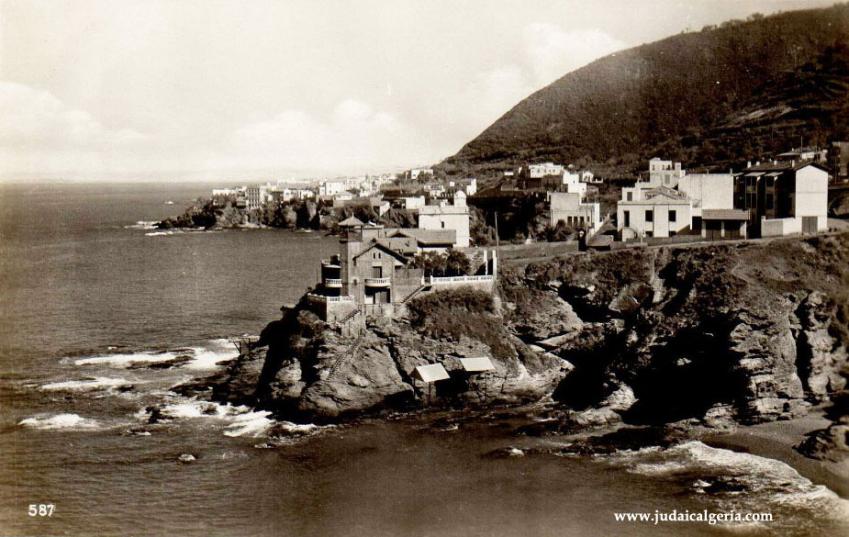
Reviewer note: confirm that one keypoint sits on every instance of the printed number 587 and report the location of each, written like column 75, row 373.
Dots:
column 41, row 509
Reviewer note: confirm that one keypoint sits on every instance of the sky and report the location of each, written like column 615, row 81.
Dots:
column 201, row 89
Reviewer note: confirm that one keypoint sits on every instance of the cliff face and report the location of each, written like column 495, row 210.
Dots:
column 725, row 332
column 308, row 370
column 718, row 333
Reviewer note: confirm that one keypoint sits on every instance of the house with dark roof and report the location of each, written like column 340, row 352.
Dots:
column 374, row 273
column 783, row 198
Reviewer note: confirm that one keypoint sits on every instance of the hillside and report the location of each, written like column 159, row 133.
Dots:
column 721, row 96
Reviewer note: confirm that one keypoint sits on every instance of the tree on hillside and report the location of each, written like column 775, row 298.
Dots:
column 457, row 264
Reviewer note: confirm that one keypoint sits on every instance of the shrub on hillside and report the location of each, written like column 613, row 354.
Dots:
column 461, row 312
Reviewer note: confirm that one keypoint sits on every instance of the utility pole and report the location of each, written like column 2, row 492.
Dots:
column 496, row 231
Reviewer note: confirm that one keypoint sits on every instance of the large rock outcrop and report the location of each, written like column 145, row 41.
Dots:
column 715, row 332
column 719, row 333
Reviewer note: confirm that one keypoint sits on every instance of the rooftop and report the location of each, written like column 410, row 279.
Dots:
column 725, row 214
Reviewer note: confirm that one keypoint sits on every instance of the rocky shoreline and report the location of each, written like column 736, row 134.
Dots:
column 673, row 338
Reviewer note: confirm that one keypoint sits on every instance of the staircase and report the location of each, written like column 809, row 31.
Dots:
column 421, row 289
column 339, row 361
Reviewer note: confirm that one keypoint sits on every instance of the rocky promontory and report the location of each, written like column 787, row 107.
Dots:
column 712, row 334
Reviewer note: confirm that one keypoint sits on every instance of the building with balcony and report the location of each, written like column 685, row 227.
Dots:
column 373, row 273
column 783, row 198
column 665, row 173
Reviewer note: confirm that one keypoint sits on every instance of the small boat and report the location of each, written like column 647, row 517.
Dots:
column 169, row 202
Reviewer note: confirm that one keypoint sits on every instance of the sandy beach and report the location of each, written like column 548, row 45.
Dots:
column 776, row 440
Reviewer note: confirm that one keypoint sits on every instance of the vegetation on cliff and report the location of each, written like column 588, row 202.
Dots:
column 721, row 332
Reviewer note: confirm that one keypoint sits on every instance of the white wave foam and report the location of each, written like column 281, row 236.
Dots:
column 252, row 424
column 85, row 385
column 59, row 421
column 769, row 483
column 143, row 224
column 218, row 350
column 196, row 409
column 201, row 358
column 126, row 360
column 160, row 233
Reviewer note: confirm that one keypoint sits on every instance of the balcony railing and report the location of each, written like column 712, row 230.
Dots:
column 329, row 299
column 459, row 279
column 378, row 282
column 332, row 282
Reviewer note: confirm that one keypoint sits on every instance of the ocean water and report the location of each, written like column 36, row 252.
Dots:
column 93, row 302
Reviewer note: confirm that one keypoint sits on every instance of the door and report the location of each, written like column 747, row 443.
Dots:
column 381, row 297
column 713, row 230
column 732, row 230
column 809, row 224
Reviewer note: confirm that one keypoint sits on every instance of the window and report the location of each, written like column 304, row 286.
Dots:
column 650, row 216
column 673, row 216
column 443, row 225
column 627, row 218
column 630, row 196
column 770, row 201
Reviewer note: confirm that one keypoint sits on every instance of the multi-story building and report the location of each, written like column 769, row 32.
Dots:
column 712, row 205
column 448, row 216
column 546, row 175
column 256, row 197
column 838, row 160
column 783, row 198
column 332, row 188
column 569, row 208
column 664, row 173
column 653, row 211
column 374, row 274
column 572, row 181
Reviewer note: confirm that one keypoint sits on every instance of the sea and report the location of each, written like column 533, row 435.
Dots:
column 101, row 316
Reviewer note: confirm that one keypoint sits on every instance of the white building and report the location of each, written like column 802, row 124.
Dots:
column 412, row 203
column 587, row 176
column 545, row 169
column 783, row 198
column 331, row 188
column 572, row 211
column 653, row 211
column 445, row 216
column 573, row 184
column 256, row 197
column 416, row 172
column 664, row 173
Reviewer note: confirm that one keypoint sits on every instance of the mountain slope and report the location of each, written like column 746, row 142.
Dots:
column 719, row 96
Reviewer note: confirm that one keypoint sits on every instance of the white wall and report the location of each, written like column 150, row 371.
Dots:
column 714, row 190
column 459, row 222
column 661, row 226
column 812, row 195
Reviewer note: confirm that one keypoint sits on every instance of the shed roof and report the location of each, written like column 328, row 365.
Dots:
column 477, row 365
column 428, row 237
column 351, row 221
column 430, row 373
column 725, row 214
